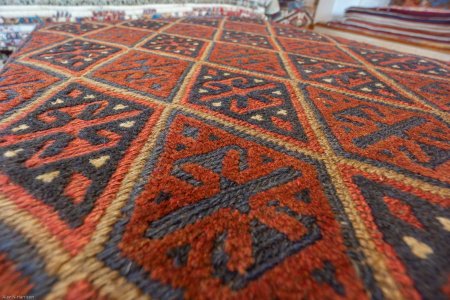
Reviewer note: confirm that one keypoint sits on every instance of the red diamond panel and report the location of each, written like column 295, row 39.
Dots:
column 147, row 73
column 251, row 59
column 127, row 37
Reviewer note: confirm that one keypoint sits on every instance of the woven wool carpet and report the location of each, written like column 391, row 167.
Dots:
column 218, row 159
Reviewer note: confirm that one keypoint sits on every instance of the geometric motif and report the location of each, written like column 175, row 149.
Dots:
column 75, row 28
column 246, row 20
column 294, row 32
column 175, row 44
column 40, row 40
column 211, row 22
column 309, row 48
column 395, row 138
column 192, row 30
column 64, row 151
column 412, row 228
column 250, row 100
column 145, row 24
column 19, row 84
column 144, row 72
column 345, row 77
column 433, row 91
column 251, row 28
column 304, row 168
column 252, row 59
column 401, row 62
column 75, row 55
column 246, row 38
column 22, row 272
column 82, row 288
column 127, row 37
column 247, row 217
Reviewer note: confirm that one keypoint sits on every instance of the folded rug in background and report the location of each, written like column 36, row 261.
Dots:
column 424, row 25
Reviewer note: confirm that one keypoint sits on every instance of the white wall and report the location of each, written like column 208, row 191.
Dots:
column 324, row 11
column 340, row 6
column 333, row 9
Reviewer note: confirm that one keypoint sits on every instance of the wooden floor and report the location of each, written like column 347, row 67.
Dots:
column 403, row 47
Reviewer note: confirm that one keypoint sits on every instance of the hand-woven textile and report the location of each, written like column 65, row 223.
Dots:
column 221, row 159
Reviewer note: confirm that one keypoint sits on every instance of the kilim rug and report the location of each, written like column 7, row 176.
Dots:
column 222, row 159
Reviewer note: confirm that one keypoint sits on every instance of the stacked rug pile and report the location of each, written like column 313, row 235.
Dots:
column 221, row 158
column 414, row 24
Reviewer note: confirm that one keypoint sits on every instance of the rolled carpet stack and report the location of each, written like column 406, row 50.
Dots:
column 415, row 24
